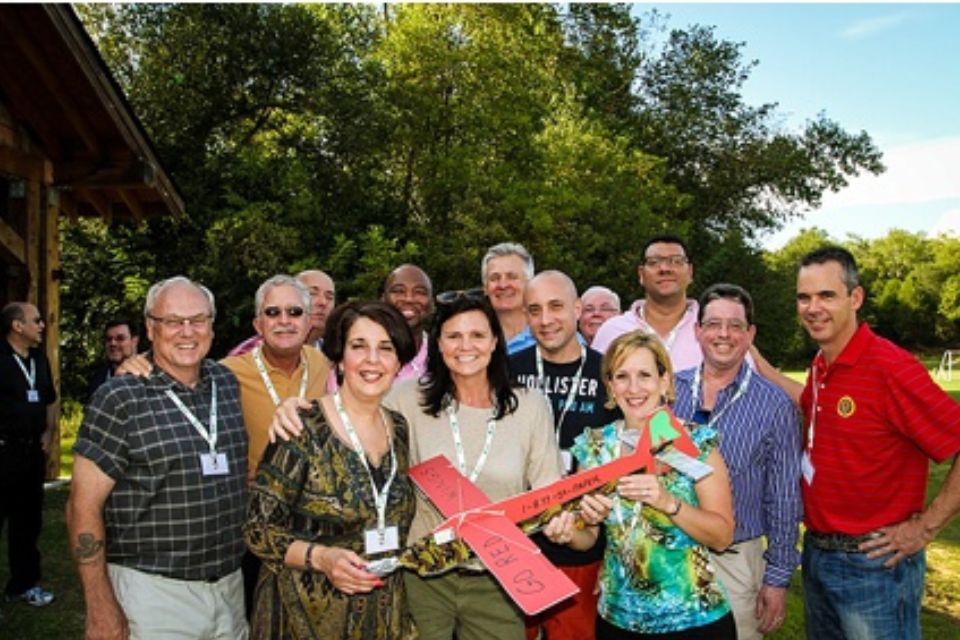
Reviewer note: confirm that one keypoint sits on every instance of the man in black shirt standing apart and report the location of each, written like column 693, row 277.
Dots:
column 568, row 373
column 28, row 415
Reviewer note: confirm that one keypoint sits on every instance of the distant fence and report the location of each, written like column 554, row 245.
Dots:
column 945, row 369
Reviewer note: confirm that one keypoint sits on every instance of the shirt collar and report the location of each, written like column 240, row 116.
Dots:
column 163, row 380
column 853, row 350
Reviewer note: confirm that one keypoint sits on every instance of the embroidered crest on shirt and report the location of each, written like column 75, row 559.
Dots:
column 846, row 407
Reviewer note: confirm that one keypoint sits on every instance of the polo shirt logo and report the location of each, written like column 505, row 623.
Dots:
column 846, row 407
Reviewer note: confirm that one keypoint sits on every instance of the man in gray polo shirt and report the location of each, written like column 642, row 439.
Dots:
column 159, row 493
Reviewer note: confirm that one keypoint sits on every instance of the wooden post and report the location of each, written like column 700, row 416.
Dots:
column 51, row 303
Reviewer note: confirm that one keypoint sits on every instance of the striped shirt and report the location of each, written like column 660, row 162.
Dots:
column 760, row 443
column 880, row 418
column 163, row 515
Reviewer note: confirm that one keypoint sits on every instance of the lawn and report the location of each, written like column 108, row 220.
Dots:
column 63, row 620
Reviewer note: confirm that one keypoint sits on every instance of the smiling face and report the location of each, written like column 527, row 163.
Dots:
column 282, row 321
column 506, row 280
column 409, row 289
column 660, row 278
column 827, row 310
column 724, row 334
column 637, row 386
column 370, row 361
column 553, row 310
column 180, row 347
column 466, row 344
column 596, row 308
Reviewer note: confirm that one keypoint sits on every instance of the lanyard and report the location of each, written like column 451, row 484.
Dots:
column 379, row 496
column 671, row 337
column 268, row 383
column 209, row 436
column 813, row 407
column 715, row 415
column 31, row 375
column 574, row 384
column 458, row 441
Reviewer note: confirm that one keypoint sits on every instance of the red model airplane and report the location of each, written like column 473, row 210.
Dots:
column 490, row 530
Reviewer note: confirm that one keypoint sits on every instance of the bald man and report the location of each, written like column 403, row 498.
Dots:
column 28, row 416
column 568, row 373
column 409, row 289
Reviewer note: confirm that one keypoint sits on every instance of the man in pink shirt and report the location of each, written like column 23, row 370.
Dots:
column 665, row 274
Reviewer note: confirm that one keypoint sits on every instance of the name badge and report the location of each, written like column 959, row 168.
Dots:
column 214, row 464
column 567, row 459
column 685, row 464
column 33, row 396
column 806, row 467
column 375, row 541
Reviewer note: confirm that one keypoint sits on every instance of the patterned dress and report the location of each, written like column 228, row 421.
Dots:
column 655, row 578
column 315, row 488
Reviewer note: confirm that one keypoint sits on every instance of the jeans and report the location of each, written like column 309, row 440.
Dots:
column 847, row 596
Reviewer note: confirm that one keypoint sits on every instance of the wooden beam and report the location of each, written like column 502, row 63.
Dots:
column 32, row 241
column 98, row 201
column 19, row 163
column 23, row 109
column 132, row 203
column 51, row 306
column 118, row 173
column 12, row 242
column 17, row 34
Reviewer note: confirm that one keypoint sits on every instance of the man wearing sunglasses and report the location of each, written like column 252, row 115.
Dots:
column 665, row 275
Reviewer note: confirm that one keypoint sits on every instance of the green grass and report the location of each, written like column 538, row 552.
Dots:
column 63, row 620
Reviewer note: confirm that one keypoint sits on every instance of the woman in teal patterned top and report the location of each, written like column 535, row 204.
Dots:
column 657, row 581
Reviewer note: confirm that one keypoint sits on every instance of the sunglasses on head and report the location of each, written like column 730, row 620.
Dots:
column 274, row 311
column 449, row 297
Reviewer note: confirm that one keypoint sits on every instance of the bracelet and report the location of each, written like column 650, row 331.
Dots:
column 676, row 509
column 307, row 564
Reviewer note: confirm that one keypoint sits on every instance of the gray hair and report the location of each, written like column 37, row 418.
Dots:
column 280, row 280
column 507, row 249
column 176, row 281
column 595, row 289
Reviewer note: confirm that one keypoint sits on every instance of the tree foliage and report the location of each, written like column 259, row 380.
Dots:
column 353, row 137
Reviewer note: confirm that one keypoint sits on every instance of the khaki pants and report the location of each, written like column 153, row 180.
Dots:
column 159, row 608
column 475, row 606
column 741, row 573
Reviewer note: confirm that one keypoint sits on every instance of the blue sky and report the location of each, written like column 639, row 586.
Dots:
column 892, row 70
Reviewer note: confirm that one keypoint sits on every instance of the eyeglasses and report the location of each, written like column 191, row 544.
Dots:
column 449, row 297
column 674, row 261
column 176, row 323
column 601, row 309
column 274, row 311
column 714, row 325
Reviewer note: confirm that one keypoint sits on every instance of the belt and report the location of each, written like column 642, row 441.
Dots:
column 841, row 541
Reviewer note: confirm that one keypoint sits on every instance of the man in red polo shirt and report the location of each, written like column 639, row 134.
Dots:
column 873, row 419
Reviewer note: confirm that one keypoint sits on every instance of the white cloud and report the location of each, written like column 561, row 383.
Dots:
column 949, row 223
column 870, row 26
column 921, row 172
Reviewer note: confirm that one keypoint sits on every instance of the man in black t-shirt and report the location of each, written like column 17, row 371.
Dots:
column 568, row 373
column 28, row 415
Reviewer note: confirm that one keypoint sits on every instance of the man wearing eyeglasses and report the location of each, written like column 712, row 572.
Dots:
column 322, row 300
column 281, row 366
column 28, row 416
column 120, row 341
column 759, row 430
column 598, row 304
column 159, row 496
column 665, row 274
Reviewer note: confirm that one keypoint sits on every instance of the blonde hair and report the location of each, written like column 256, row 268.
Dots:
column 622, row 348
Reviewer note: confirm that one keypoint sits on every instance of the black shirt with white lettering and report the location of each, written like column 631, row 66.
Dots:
column 586, row 410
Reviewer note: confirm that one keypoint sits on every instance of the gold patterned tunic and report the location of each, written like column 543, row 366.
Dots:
column 315, row 488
